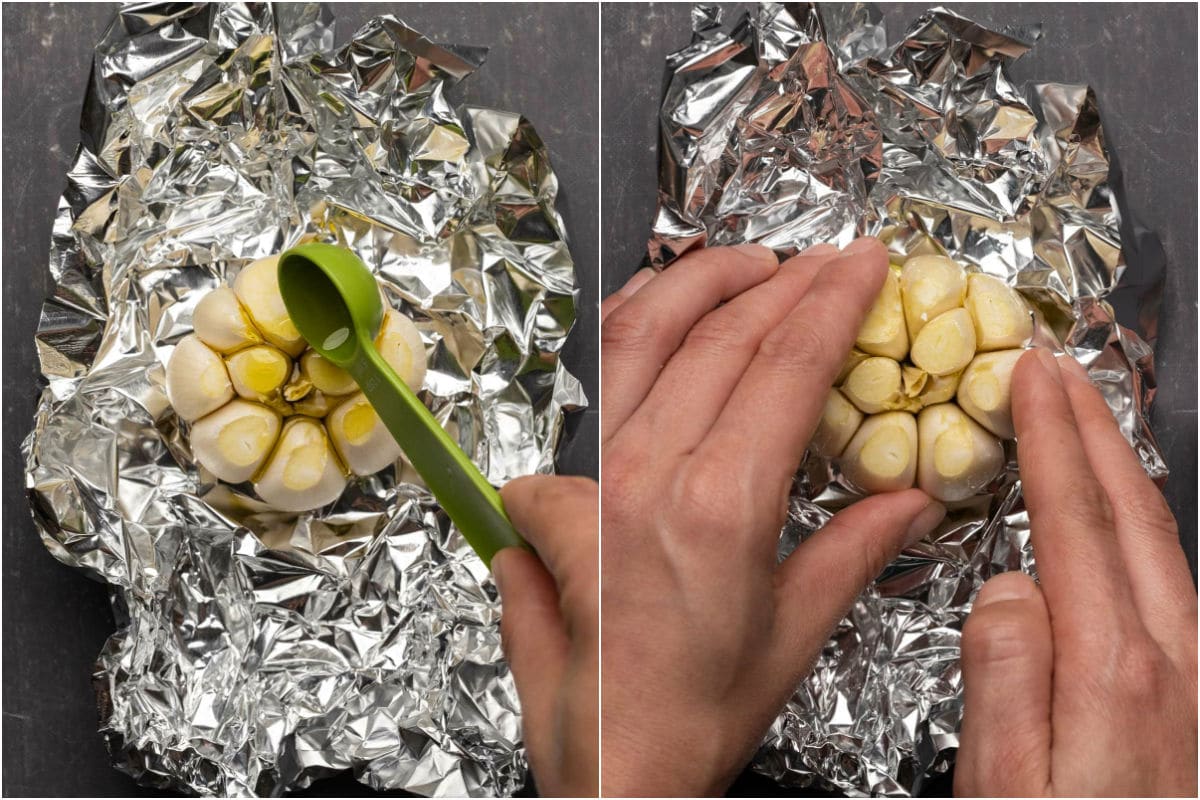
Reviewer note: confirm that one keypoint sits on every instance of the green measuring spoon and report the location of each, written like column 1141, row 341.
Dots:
column 334, row 301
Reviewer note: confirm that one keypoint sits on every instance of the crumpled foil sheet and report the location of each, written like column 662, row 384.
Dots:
column 255, row 651
column 802, row 124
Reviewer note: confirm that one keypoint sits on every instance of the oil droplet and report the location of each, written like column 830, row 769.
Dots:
column 336, row 339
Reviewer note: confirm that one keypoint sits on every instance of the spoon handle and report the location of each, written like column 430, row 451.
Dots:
column 470, row 501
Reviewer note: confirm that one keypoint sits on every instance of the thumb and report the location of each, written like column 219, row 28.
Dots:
column 1007, row 664
column 826, row 572
column 534, row 636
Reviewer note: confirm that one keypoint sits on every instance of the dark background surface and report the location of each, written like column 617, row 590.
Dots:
column 542, row 64
column 1140, row 59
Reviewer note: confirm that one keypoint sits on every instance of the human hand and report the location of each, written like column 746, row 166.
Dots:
column 550, row 627
column 715, row 375
column 1085, row 684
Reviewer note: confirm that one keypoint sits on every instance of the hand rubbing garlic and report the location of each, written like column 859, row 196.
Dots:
column 221, row 322
column 302, row 473
column 197, row 382
column 234, row 441
column 838, row 423
column 258, row 372
column 1001, row 316
column 875, row 386
column 360, row 437
column 945, row 344
column 958, row 458
column 883, row 331
column 985, row 392
column 931, row 285
column 882, row 455
column 257, row 286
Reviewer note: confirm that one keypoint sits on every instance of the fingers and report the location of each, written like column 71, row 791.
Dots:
column 559, row 517
column 641, row 333
column 1146, row 531
column 819, row 581
column 776, row 405
column 693, row 387
column 639, row 279
column 535, row 637
column 1074, row 539
column 1007, row 663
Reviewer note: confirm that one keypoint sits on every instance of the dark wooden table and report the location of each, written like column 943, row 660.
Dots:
column 1139, row 58
column 542, row 64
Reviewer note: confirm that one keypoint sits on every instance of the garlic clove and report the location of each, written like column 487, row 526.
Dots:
column 222, row 323
column 362, row 440
column 985, row 392
column 314, row 404
column 259, row 372
column 234, row 441
column 257, row 287
column 1001, row 317
column 883, row 332
column 945, row 344
column 882, row 455
column 837, row 426
column 326, row 376
column 197, row 381
column 931, row 286
column 400, row 344
column 874, row 386
column 939, row 389
column 958, row 458
column 302, row 472
column 855, row 358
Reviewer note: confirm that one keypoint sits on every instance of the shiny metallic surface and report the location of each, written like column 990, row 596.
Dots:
column 797, row 125
column 258, row 651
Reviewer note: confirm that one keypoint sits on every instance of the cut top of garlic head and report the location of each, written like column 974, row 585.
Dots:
column 267, row 409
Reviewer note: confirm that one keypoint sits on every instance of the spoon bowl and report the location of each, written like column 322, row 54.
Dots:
column 332, row 298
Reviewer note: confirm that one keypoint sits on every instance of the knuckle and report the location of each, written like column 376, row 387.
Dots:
column 1090, row 504
column 702, row 496
column 1141, row 672
column 628, row 330
column 801, row 346
column 995, row 634
column 718, row 331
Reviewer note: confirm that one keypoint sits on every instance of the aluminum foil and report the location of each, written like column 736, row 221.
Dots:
column 800, row 125
column 258, row 651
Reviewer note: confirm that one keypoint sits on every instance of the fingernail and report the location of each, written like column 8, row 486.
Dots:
column 1049, row 364
column 499, row 570
column 1005, row 587
column 861, row 245
column 755, row 250
column 924, row 523
column 640, row 279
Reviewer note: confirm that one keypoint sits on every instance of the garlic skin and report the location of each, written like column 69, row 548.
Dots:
column 302, row 472
column 931, row 286
column 258, row 372
column 1001, row 317
column 958, row 458
column 883, row 332
column 985, row 392
column 233, row 442
column 221, row 322
column 945, row 344
column 874, row 386
column 326, row 376
column 855, row 358
column 361, row 439
column 197, row 381
column 257, row 287
column 400, row 344
column 882, row 456
column 838, row 423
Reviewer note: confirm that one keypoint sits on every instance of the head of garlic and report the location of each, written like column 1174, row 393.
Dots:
column 266, row 409
column 924, row 398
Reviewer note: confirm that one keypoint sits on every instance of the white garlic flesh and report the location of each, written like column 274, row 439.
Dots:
column 958, row 458
column 197, row 381
column 362, row 440
column 302, row 473
column 882, row 455
column 234, row 441
column 221, row 322
column 257, row 287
